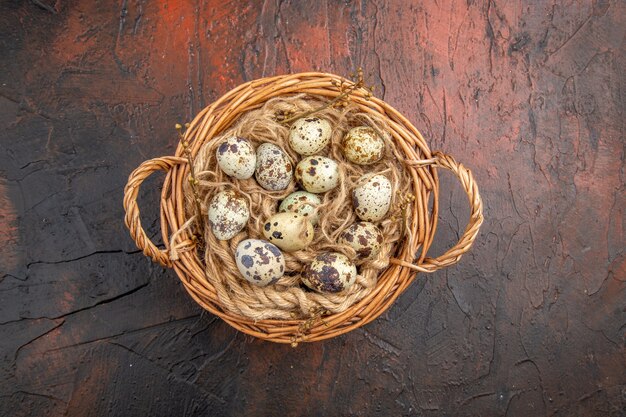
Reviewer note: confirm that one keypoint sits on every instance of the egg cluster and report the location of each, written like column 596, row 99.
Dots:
column 292, row 228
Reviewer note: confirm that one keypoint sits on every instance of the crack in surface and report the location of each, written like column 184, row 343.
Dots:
column 100, row 252
column 17, row 351
column 124, row 333
column 70, row 313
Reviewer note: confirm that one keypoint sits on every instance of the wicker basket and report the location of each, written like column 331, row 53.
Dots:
column 409, row 257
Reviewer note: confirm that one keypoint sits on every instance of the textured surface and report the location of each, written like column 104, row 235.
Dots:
column 529, row 96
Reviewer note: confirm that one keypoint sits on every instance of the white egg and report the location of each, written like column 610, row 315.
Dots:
column 228, row 214
column 329, row 272
column 317, row 174
column 363, row 146
column 259, row 262
column 372, row 197
column 289, row 231
column 364, row 237
column 303, row 203
column 236, row 157
column 309, row 135
column 274, row 169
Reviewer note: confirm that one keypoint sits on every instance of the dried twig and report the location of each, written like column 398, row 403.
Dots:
column 193, row 182
column 306, row 325
column 345, row 87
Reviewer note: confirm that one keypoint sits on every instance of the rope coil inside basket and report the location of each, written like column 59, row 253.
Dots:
column 181, row 254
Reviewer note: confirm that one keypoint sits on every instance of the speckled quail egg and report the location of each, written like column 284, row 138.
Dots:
column 259, row 261
column 364, row 237
column 228, row 214
column 274, row 170
column 372, row 197
column 309, row 135
column 289, row 231
column 363, row 145
column 329, row 272
column 317, row 174
column 303, row 203
column 236, row 157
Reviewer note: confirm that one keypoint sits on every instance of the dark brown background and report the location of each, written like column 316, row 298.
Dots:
column 529, row 96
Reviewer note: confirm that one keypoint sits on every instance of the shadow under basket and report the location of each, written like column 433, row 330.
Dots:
column 181, row 252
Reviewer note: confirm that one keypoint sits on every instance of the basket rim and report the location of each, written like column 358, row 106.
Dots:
column 392, row 282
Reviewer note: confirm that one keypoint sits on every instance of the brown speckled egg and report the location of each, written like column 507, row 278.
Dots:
column 317, row 174
column 259, row 262
column 372, row 197
column 289, row 231
column 309, row 135
column 364, row 237
column 236, row 157
column 363, row 146
column 228, row 214
column 274, row 170
column 329, row 272
column 303, row 203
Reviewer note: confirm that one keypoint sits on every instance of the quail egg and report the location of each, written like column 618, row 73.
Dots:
column 259, row 262
column 329, row 272
column 273, row 167
column 309, row 135
column 303, row 203
column 363, row 145
column 236, row 157
column 289, row 231
column 317, row 174
column 228, row 214
column 364, row 237
column 372, row 197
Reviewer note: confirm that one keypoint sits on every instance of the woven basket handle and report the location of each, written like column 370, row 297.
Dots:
column 143, row 171
column 453, row 255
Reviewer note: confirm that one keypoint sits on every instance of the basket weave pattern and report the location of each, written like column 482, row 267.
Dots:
column 411, row 255
column 287, row 298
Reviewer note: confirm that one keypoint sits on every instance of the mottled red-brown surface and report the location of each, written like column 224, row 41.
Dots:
column 529, row 95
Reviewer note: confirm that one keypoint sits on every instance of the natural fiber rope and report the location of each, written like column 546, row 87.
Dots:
column 220, row 116
column 287, row 299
